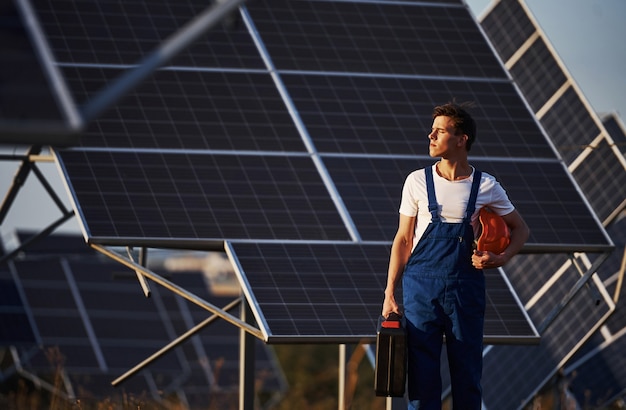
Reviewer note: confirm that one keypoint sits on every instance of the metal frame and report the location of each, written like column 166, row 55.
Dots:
column 28, row 164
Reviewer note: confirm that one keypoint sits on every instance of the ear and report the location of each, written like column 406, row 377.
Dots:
column 463, row 140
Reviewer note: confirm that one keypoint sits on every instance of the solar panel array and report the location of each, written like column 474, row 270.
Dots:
column 293, row 121
column 93, row 311
column 597, row 164
column 292, row 125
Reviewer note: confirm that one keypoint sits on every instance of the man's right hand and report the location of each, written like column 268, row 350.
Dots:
column 390, row 305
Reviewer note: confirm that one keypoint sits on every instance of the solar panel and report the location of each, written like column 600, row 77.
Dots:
column 603, row 179
column 540, row 73
column 509, row 23
column 332, row 293
column 361, row 180
column 392, row 115
column 374, row 37
column 120, row 34
column 571, row 136
column 190, row 110
column 201, row 197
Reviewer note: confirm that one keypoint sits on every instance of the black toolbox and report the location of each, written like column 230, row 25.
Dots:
column 391, row 356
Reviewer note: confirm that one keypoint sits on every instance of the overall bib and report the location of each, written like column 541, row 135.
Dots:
column 444, row 294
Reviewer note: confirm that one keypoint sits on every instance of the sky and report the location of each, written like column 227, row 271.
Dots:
column 588, row 36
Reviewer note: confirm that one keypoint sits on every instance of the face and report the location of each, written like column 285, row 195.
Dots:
column 443, row 140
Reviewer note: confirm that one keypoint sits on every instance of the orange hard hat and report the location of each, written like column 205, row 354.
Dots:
column 494, row 235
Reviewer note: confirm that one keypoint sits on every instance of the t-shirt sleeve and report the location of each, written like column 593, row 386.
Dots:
column 500, row 202
column 408, row 203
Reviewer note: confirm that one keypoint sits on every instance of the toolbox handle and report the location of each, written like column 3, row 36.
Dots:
column 392, row 321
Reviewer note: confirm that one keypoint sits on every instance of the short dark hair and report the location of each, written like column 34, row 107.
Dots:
column 461, row 119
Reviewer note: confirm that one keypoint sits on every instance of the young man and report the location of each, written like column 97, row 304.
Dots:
column 442, row 278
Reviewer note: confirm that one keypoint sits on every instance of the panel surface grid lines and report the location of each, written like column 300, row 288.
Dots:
column 113, row 33
column 508, row 27
column 316, row 292
column 384, row 115
column 602, row 178
column 198, row 110
column 542, row 192
column 370, row 37
column 538, row 75
column 333, row 293
column 202, row 196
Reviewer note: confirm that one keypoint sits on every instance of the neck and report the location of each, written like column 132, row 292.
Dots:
column 453, row 170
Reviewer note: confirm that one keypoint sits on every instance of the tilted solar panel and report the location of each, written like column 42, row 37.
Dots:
column 570, row 125
column 332, row 293
column 509, row 23
column 539, row 74
column 110, row 33
column 190, row 110
column 392, row 115
column 529, row 185
column 201, row 198
column 374, row 37
column 603, row 178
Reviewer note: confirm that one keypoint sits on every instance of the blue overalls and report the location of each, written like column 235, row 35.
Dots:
column 444, row 294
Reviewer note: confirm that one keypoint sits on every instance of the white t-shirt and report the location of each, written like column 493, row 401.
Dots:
column 452, row 198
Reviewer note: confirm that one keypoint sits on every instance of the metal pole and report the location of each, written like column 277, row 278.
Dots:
column 143, row 256
column 247, row 367
column 342, row 377
column 36, row 237
column 18, row 182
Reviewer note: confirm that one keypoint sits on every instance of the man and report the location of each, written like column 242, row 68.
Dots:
column 442, row 278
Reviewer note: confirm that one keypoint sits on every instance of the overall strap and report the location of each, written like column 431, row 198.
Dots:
column 471, row 204
column 433, row 208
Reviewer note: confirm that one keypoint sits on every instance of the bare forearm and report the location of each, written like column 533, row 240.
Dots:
column 519, row 236
column 400, row 252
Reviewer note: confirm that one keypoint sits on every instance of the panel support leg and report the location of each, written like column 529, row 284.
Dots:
column 342, row 377
column 246, row 360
